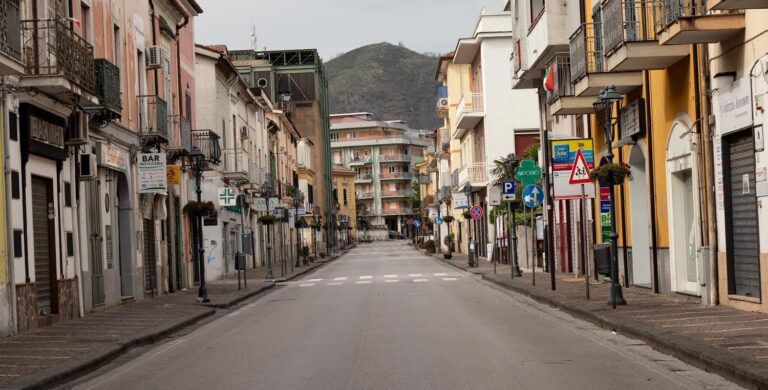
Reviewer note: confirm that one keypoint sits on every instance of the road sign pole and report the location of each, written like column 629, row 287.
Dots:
column 584, row 251
column 515, row 264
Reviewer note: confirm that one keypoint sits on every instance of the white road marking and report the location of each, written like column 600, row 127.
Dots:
column 414, row 275
column 315, row 280
column 391, row 281
column 450, row 279
column 335, row 284
column 441, row 274
column 419, row 280
column 390, row 276
column 363, row 282
column 307, row 285
column 340, row 278
column 366, row 277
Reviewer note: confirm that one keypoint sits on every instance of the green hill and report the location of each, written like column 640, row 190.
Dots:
column 390, row 81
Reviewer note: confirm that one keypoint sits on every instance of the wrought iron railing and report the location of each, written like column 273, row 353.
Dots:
column 395, row 158
column 52, row 49
column 236, row 161
column 361, row 160
column 395, row 194
column 586, row 51
column 364, row 195
column 10, row 31
column 396, row 175
column 667, row 12
column 364, row 177
column 108, row 85
column 207, row 142
column 470, row 103
column 153, row 116
column 627, row 21
column 562, row 77
column 397, row 211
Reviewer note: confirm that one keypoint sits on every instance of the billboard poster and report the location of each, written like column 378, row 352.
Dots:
column 563, row 158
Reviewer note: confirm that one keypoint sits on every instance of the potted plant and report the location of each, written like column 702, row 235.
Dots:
column 448, row 219
column 448, row 241
column 268, row 219
column 467, row 215
column 194, row 208
column 611, row 174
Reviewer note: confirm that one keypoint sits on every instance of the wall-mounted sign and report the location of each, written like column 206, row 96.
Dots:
column 759, row 139
column 152, row 175
column 112, row 157
column 45, row 131
column 173, row 174
column 564, row 154
column 632, row 120
column 227, row 197
column 733, row 107
column 460, row 200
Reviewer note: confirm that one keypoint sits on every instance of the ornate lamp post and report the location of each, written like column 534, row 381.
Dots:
column 511, row 163
column 604, row 102
column 470, row 244
column 196, row 160
column 266, row 193
column 298, row 200
column 315, row 230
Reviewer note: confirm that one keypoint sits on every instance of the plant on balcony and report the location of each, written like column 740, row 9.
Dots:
column 194, row 208
column 611, row 174
column 466, row 214
column 448, row 219
column 268, row 219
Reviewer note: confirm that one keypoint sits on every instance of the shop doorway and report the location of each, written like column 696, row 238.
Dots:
column 44, row 242
column 639, row 219
column 95, row 240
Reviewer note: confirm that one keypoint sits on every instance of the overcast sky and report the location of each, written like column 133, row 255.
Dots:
column 337, row 26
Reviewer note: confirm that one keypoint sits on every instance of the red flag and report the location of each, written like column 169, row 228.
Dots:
column 549, row 79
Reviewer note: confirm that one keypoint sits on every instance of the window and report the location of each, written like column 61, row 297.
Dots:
column 116, row 45
column 334, row 137
column 13, row 124
column 67, row 194
column 336, row 195
column 85, row 16
column 70, row 244
column 344, row 194
column 537, row 8
column 15, row 185
column 17, row 243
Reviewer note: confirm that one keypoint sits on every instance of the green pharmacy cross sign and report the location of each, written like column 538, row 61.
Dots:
column 527, row 173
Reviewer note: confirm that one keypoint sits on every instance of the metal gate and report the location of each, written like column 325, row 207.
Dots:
column 43, row 236
column 741, row 210
column 150, row 257
column 95, row 242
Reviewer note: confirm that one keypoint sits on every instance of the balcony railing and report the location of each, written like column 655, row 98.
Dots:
column 668, row 12
column 52, row 49
column 208, row 143
column 153, row 116
column 446, row 179
column 470, row 103
column 258, row 175
column 627, row 21
column 363, row 177
column 358, row 160
column 108, row 86
column 586, row 51
column 236, row 161
column 562, row 76
column 10, row 32
column 396, row 194
column 475, row 173
column 397, row 211
column 396, row 175
column 364, row 195
column 395, row 158
column 455, row 177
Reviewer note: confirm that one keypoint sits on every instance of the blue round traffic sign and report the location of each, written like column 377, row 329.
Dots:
column 476, row 212
column 438, row 220
column 533, row 196
column 417, row 223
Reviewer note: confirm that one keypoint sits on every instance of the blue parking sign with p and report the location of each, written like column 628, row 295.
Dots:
column 508, row 189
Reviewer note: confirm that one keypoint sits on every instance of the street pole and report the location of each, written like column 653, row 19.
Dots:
column 203, row 290
column 548, row 217
column 515, row 266
column 584, row 252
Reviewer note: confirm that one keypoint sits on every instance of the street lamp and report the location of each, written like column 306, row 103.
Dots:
column 604, row 102
column 196, row 160
column 511, row 163
column 470, row 244
column 315, row 230
column 266, row 193
column 298, row 200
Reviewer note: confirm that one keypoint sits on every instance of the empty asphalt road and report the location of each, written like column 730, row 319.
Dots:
column 386, row 317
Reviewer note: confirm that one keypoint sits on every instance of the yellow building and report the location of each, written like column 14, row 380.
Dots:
column 344, row 197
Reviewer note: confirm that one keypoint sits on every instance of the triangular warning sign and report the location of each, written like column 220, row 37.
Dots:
column 580, row 170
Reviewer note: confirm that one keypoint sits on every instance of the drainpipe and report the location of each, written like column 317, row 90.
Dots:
column 623, row 216
column 652, row 192
column 7, row 102
column 154, row 42
column 709, row 169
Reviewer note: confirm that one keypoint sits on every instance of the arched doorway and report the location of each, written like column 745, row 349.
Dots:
column 639, row 219
column 682, row 200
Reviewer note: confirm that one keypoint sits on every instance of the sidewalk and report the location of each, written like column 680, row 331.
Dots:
column 729, row 342
column 55, row 354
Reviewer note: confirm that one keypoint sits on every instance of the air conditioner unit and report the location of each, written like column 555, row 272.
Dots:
column 154, row 57
column 77, row 131
column 443, row 104
column 87, row 166
column 262, row 83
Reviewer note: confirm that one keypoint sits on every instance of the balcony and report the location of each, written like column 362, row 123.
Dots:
column 395, row 176
column 153, row 119
column 58, row 62
column 207, row 142
column 10, row 39
column 108, row 91
column 363, row 178
column 396, row 211
column 476, row 175
column 373, row 140
column 736, row 4
column 396, row 194
column 385, row 158
column 364, row 195
column 469, row 112
column 446, row 179
column 360, row 160
column 588, row 73
column 688, row 22
column 629, row 38
column 562, row 101
column 236, row 164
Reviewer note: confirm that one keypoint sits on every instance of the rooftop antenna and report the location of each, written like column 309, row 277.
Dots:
column 254, row 38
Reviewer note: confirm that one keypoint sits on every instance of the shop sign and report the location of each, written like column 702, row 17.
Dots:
column 632, row 120
column 605, row 214
column 564, row 154
column 173, row 174
column 152, row 174
column 460, row 200
column 46, row 132
column 734, row 107
column 113, row 157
